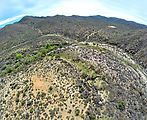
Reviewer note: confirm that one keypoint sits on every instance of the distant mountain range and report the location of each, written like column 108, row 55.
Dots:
column 113, row 19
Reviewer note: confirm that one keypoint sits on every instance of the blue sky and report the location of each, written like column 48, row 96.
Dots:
column 13, row 10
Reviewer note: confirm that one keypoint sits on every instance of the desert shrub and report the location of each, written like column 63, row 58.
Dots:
column 86, row 44
column 41, row 48
column 77, row 112
column 13, row 86
column 17, row 64
column 24, row 94
column 54, row 46
column 140, row 91
column 9, row 69
column 18, row 94
column 43, row 94
column 118, row 91
column 3, row 73
column 57, row 57
column 31, row 110
column 60, row 45
column 19, row 56
column 22, row 102
column 17, row 100
column 121, row 105
column 92, row 117
column 3, row 67
column 37, row 55
column 52, row 54
column 66, row 33
column 93, row 76
column 50, row 88
column 81, row 89
column 84, row 75
column 48, row 46
column 44, row 51
column 6, row 115
column 29, row 59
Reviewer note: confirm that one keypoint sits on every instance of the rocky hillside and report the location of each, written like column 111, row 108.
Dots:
column 129, row 36
column 73, row 68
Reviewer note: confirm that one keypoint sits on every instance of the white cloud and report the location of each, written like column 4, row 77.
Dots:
column 65, row 7
column 120, row 14
column 83, row 8
column 11, row 19
column 77, row 7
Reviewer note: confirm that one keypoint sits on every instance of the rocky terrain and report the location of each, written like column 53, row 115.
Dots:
column 84, row 81
column 56, row 76
column 127, row 35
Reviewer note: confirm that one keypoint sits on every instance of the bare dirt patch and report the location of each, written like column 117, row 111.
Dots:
column 41, row 84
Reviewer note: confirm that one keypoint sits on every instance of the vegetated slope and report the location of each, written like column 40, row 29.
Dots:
column 15, row 34
column 128, row 35
column 74, row 81
column 50, row 74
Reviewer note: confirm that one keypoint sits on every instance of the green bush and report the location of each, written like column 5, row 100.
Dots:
column 48, row 46
column 29, row 59
column 44, row 51
column 37, row 55
column 54, row 46
column 121, row 105
column 41, row 48
column 19, row 56
column 118, row 91
column 60, row 45
column 52, row 54
column 9, row 69
column 31, row 110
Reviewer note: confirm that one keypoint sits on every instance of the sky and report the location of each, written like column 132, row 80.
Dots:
column 13, row 10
